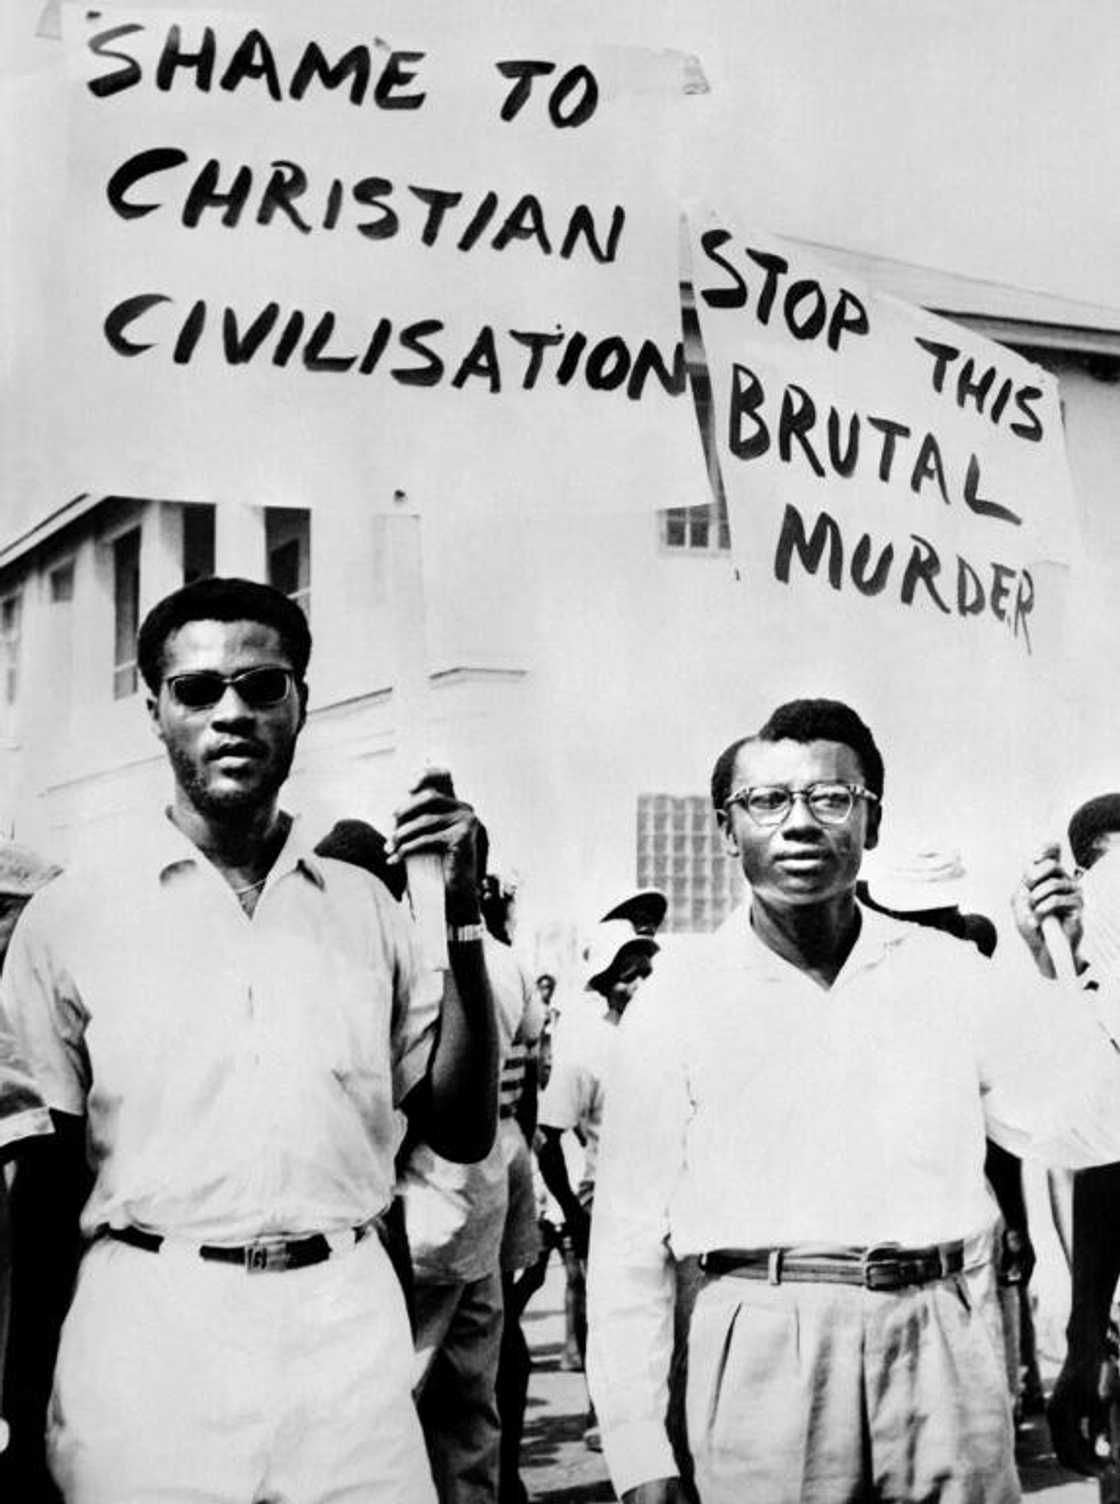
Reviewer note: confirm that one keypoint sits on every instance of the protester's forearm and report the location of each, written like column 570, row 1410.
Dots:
column 50, row 1185
column 554, row 1172
column 460, row 1102
column 1096, row 1266
column 526, row 1111
column 1005, row 1176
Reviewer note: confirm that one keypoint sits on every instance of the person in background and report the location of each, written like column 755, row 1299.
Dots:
column 232, row 1023
column 802, row 1105
column 619, row 961
column 922, row 888
column 546, row 986
column 520, row 1255
column 1078, row 1410
column 455, row 1216
column 23, row 1120
column 644, row 911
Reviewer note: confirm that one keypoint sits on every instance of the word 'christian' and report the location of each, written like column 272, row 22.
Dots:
column 282, row 193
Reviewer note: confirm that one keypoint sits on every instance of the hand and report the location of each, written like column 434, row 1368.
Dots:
column 1017, row 1257
column 1046, row 890
column 659, row 1491
column 432, row 819
column 1077, row 1417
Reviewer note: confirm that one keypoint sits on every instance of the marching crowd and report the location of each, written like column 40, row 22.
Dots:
column 270, row 1214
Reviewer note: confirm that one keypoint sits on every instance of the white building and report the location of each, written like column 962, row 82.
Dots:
column 581, row 675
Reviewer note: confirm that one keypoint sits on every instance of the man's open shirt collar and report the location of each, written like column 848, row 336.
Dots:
column 879, row 934
column 170, row 851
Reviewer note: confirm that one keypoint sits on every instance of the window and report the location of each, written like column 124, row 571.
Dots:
column 680, row 851
column 62, row 584
column 697, row 527
column 126, row 612
column 198, row 543
column 288, row 547
column 704, row 528
column 11, row 618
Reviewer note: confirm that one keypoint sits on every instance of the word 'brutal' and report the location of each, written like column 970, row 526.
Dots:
column 848, row 442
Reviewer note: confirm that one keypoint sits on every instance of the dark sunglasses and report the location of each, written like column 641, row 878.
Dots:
column 258, row 688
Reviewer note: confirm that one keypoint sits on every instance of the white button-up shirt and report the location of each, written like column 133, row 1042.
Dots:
column 748, row 1107
column 574, row 1098
column 239, row 1076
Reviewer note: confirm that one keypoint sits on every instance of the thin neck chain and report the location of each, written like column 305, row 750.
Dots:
column 251, row 887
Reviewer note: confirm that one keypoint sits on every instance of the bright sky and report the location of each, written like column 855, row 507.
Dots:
column 978, row 137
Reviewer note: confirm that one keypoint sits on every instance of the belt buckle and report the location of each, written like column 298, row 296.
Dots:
column 266, row 1256
column 878, row 1266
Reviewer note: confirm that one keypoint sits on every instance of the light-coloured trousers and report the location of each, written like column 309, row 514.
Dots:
column 181, row 1381
column 833, row 1394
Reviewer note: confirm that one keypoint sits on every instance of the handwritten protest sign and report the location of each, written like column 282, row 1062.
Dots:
column 311, row 262
column 885, row 461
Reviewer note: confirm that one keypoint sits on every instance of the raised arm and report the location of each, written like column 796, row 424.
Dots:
column 455, row 1107
column 1048, row 1052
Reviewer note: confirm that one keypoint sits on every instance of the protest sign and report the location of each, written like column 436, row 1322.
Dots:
column 320, row 259
column 902, row 528
column 871, row 451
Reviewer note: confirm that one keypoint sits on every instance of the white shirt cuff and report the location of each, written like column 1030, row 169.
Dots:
column 637, row 1451
column 33, row 1122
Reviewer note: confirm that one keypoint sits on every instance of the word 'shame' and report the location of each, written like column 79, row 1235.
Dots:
column 375, row 74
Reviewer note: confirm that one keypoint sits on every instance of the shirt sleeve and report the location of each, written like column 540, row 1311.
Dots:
column 23, row 1113
column 40, row 999
column 1049, row 1065
column 505, row 989
column 562, row 1101
column 417, row 1000
column 630, row 1276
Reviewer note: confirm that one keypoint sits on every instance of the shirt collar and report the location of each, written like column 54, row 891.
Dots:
column 169, row 849
column 879, row 934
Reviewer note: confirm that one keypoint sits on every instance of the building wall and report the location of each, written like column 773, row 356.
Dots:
column 577, row 668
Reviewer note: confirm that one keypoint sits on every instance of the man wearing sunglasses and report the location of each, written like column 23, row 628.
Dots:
column 231, row 1022
column 801, row 1109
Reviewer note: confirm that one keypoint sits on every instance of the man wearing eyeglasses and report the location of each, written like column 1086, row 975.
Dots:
column 231, row 1022
column 802, row 1108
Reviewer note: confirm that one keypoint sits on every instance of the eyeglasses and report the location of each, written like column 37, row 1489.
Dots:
column 257, row 688
column 768, row 804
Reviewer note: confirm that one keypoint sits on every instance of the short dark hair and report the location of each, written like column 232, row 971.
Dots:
column 1097, row 817
column 221, row 599
column 805, row 721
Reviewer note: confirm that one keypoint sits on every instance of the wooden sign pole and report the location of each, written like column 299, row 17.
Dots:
column 412, row 707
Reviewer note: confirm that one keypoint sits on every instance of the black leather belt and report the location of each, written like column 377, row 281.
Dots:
column 885, row 1266
column 266, row 1255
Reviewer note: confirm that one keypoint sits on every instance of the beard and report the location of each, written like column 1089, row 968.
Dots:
column 230, row 803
